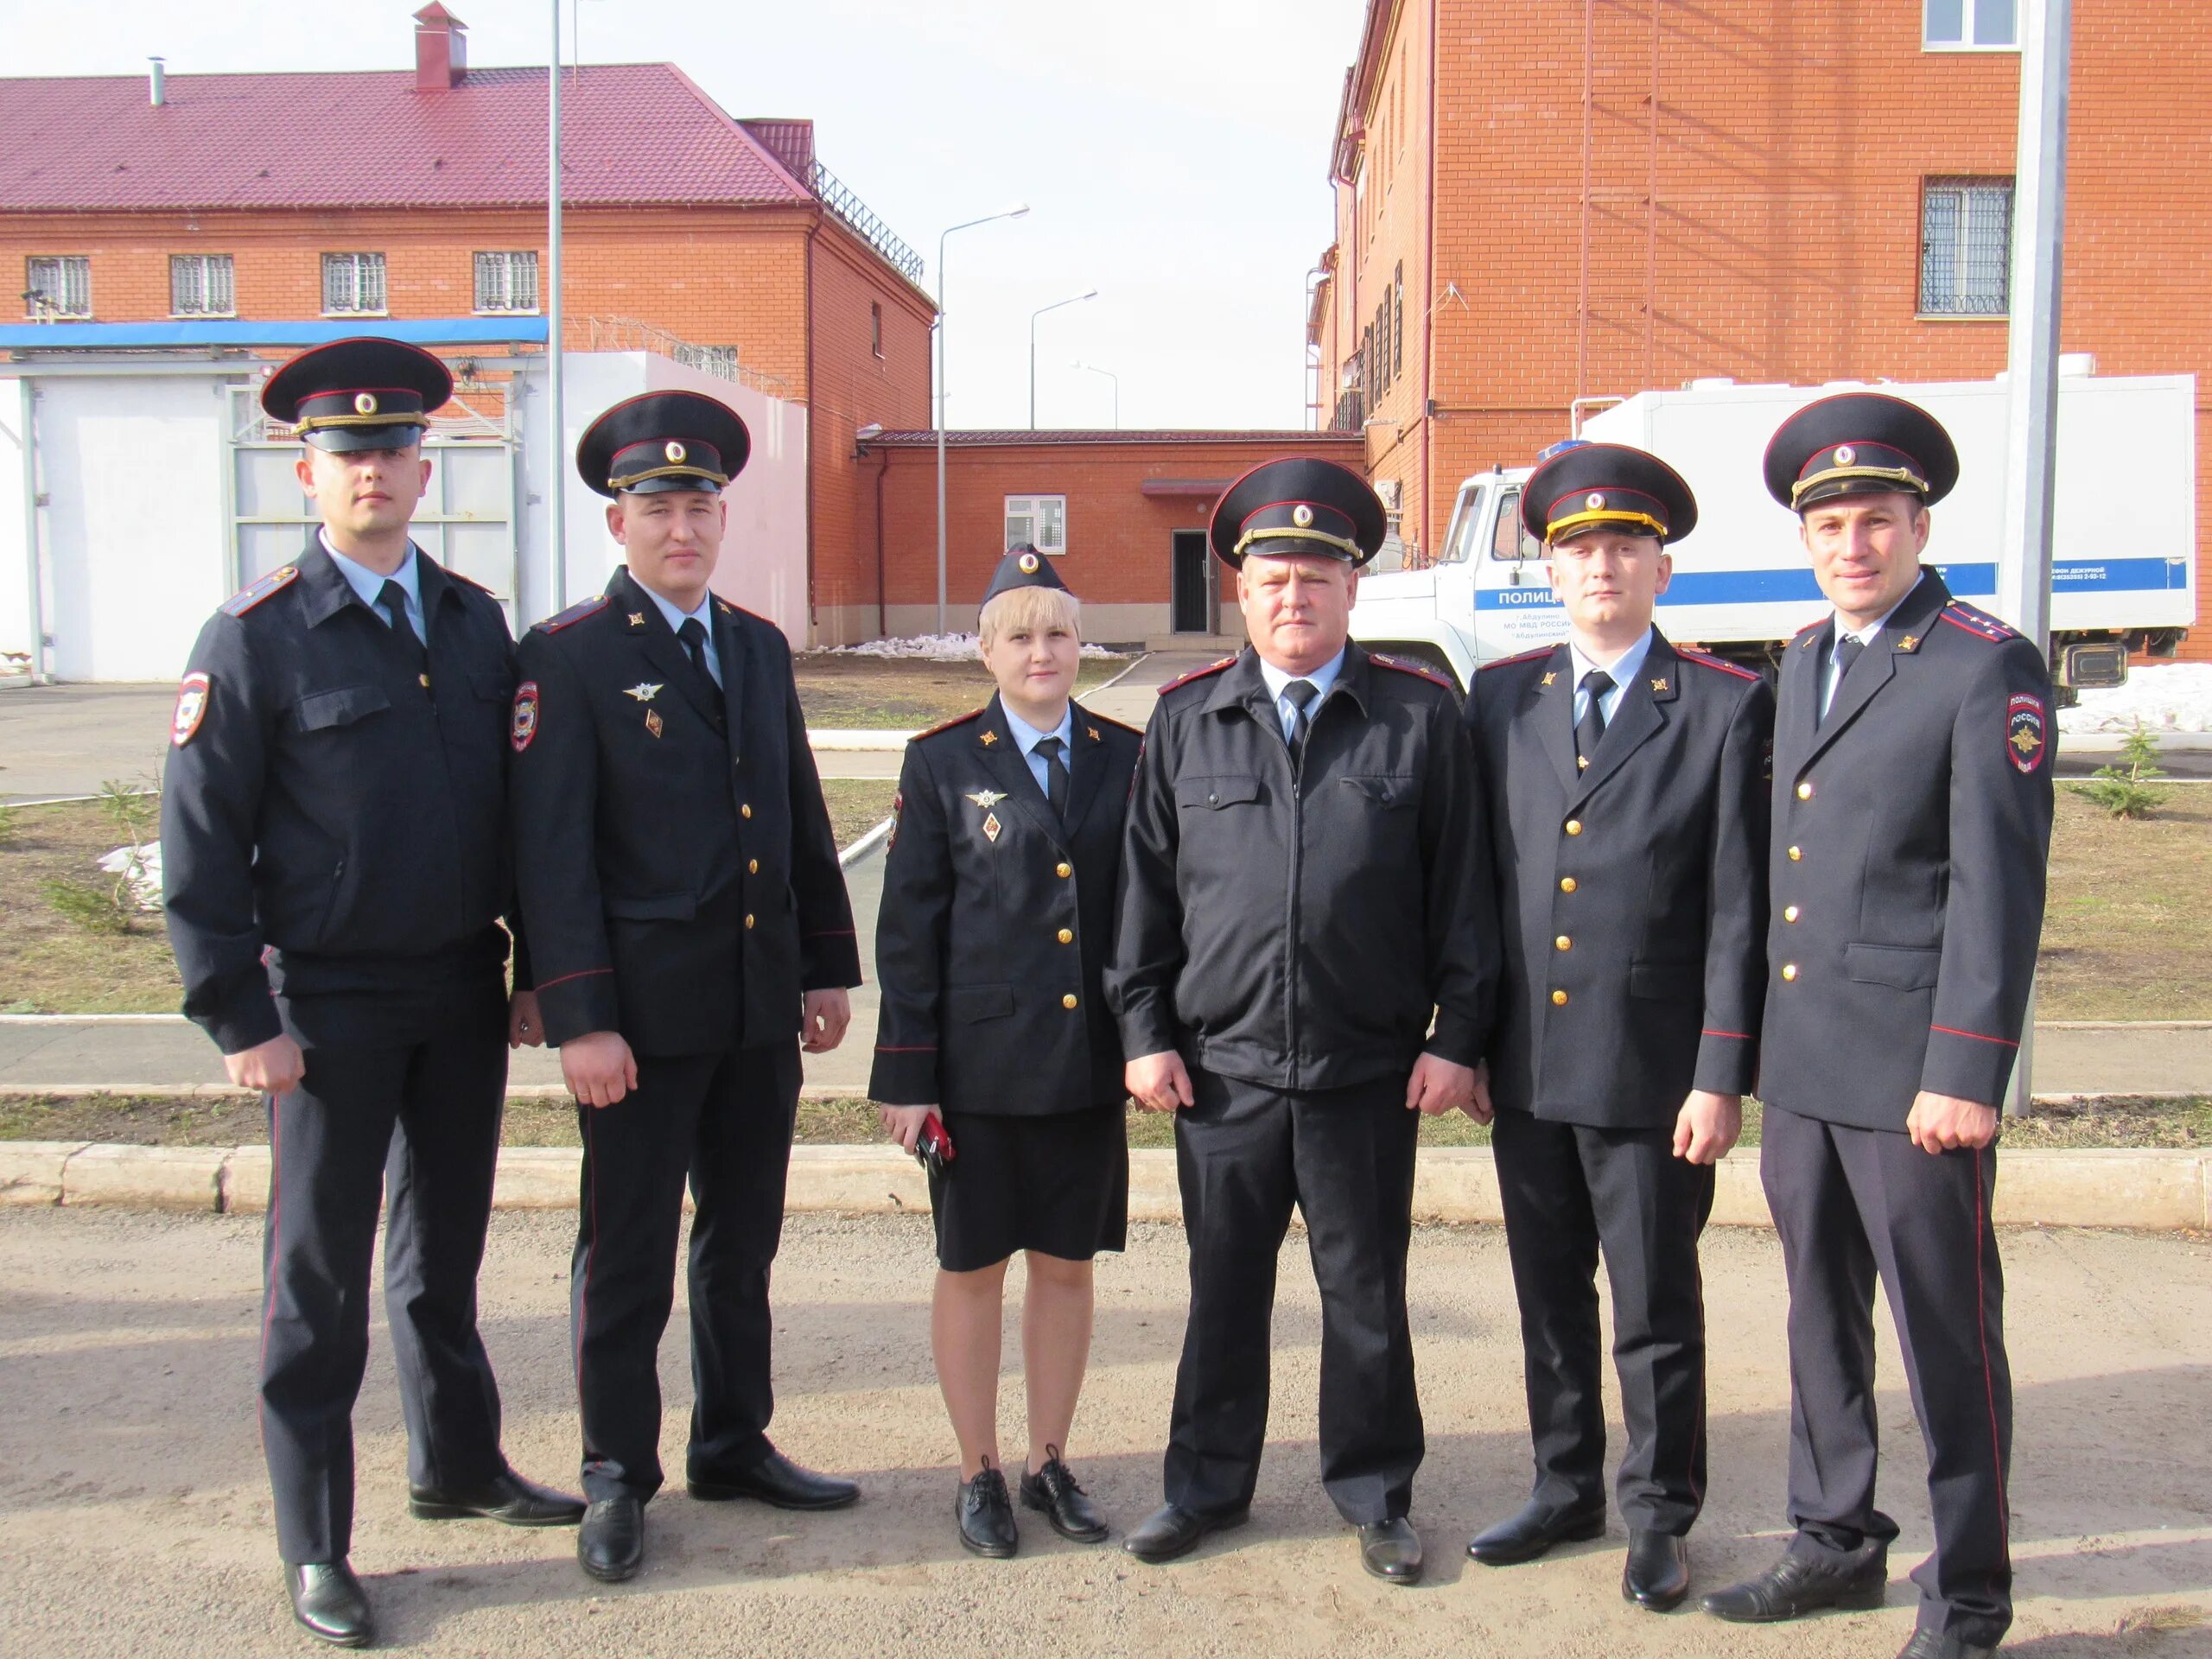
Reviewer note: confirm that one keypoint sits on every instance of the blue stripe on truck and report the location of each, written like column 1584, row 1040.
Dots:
column 1796, row 583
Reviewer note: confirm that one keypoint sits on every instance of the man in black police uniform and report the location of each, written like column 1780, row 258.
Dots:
column 688, row 921
column 1316, row 805
column 1911, row 832
column 1625, row 781
column 334, row 851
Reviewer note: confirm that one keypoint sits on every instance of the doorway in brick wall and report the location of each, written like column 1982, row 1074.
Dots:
column 1191, row 588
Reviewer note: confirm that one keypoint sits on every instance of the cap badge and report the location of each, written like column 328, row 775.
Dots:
column 364, row 403
column 1029, row 562
column 1302, row 516
column 674, row 451
column 1593, row 501
column 1845, row 454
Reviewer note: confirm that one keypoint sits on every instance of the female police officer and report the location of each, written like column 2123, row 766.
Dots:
column 998, row 904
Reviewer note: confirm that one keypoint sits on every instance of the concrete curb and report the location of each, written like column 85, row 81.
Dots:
column 2153, row 1190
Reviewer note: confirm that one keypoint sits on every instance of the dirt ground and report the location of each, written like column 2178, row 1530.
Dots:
column 134, row 1518
column 893, row 694
column 2127, row 930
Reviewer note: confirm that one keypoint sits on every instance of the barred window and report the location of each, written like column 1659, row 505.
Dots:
column 352, row 283
column 200, row 285
column 1039, row 520
column 57, row 285
column 1966, row 246
column 507, row 282
column 1965, row 25
column 1398, row 322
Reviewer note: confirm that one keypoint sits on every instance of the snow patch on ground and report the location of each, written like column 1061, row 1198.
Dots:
column 932, row 648
column 2169, row 697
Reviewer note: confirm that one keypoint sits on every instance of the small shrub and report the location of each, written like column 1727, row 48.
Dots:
column 92, row 905
column 2125, row 790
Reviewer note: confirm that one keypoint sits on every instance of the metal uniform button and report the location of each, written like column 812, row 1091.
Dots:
column 753, row 867
column 1790, row 914
column 1805, row 791
column 1063, row 871
column 425, row 679
column 1575, row 826
column 1559, row 999
column 1794, row 855
column 1068, row 1001
column 1067, row 936
column 1566, row 884
column 744, row 811
column 1562, row 943
column 748, row 921
column 1789, row 970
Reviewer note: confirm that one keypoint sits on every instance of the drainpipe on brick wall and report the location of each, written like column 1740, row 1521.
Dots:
column 1428, row 322
column 813, row 408
column 882, row 607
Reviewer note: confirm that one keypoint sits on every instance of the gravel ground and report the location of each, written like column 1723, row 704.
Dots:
column 134, row 1516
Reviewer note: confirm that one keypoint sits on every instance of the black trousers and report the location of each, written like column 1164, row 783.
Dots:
column 414, row 1127
column 1244, row 1155
column 1849, row 1204
column 725, row 1121
column 1569, row 1190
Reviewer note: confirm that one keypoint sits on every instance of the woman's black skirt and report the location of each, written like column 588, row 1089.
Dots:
column 1057, row 1183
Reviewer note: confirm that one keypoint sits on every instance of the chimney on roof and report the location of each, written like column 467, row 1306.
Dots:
column 440, row 49
column 157, row 91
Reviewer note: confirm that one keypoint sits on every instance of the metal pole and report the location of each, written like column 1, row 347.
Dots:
column 28, row 393
column 556, row 495
column 940, row 427
column 2031, row 363
column 1072, row 299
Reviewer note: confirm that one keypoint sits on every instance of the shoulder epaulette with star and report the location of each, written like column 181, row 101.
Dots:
column 574, row 614
column 1197, row 674
column 467, row 582
column 1805, row 635
column 947, row 726
column 1703, row 660
column 1413, row 669
column 1097, row 719
column 1979, row 623
column 275, row 582
column 1525, row 657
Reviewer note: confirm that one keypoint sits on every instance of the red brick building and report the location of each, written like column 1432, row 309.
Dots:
column 1538, row 202
column 416, row 194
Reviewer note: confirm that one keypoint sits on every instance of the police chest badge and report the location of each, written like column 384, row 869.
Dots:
column 2025, row 738
column 191, row 708
column 988, row 799
column 524, row 726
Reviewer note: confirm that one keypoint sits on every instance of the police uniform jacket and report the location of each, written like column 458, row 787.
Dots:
column 997, row 918
column 1300, row 935
column 1629, row 892
column 670, row 836
column 332, row 801
column 1912, row 829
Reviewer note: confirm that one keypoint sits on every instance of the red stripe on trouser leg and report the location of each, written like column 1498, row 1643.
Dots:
column 1983, row 1243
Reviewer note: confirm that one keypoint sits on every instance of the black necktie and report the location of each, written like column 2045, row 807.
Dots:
column 1055, row 774
column 393, row 597
column 1847, row 652
column 1590, row 730
column 693, row 633
column 1301, row 693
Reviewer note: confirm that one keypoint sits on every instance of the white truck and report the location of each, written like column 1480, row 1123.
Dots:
column 2124, row 561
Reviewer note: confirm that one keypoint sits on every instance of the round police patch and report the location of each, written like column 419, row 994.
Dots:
column 2025, row 738
column 524, row 726
column 191, row 708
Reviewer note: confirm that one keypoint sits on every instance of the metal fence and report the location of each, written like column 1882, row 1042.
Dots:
column 629, row 334
column 838, row 197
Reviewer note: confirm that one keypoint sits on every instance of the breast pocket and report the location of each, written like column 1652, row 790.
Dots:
column 1384, row 793
column 1216, row 794
column 1900, row 967
column 345, row 705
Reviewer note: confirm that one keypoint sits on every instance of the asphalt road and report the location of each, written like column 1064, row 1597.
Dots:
column 134, row 1518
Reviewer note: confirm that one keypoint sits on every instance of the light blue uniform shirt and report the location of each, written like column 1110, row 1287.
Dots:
column 1029, row 737
column 1324, row 677
column 677, row 620
column 370, row 586
column 1622, row 668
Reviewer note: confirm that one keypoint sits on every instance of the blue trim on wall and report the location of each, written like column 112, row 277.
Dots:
column 140, row 336
column 1796, row 584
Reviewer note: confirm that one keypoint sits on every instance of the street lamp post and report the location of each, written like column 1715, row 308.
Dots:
column 1092, row 368
column 1017, row 211
column 1072, row 299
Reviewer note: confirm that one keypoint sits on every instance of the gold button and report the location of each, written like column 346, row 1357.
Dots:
column 425, row 679
column 1805, row 791
column 1575, row 826
column 1789, row 970
column 1067, row 936
column 1790, row 914
column 753, row 867
column 1559, row 999
column 744, row 811
column 748, row 921
column 1566, row 884
column 1068, row 1001
column 1563, row 943
column 1794, row 855
column 1063, row 871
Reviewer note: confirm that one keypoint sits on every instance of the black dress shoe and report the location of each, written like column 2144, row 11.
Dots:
column 612, row 1541
column 1390, row 1551
column 1053, row 1493
column 1525, row 1536
column 328, row 1602
column 776, row 1480
column 1169, row 1531
column 986, row 1515
column 506, row 1498
column 1943, row 1644
column 1657, row 1575
column 1801, row 1583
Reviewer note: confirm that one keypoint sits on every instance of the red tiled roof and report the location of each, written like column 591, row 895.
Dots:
column 630, row 133
column 981, row 440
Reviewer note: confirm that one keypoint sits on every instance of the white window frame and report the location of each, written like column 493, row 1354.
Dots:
column 1965, row 189
column 354, row 271
column 1034, row 518
column 1969, row 14
column 509, row 261
column 212, row 271
column 55, row 274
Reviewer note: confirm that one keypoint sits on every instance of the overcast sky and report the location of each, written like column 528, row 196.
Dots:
column 1173, row 154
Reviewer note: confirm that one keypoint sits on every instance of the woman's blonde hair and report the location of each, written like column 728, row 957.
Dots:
column 1033, row 609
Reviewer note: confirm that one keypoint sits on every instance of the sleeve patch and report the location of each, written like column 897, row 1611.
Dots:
column 2025, row 735
column 898, row 806
column 524, row 727
column 191, row 708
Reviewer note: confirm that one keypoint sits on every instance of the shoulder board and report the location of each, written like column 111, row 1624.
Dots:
column 1810, row 627
column 1525, row 657
column 728, row 609
column 1413, row 669
column 453, row 574
column 1097, row 719
column 1197, row 674
column 947, row 726
column 574, row 614
column 239, row 603
column 1979, row 623
column 1703, row 661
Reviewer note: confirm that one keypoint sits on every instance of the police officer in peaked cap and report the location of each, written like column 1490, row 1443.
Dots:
column 335, row 859
column 1304, row 897
column 690, row 933
column 1912, row 812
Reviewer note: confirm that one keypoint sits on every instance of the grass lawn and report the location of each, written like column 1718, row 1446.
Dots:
column 541, row 1122
column 872, row 693
column 2127, row 931
column 857, row 805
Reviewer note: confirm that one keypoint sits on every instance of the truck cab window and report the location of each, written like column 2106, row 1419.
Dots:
column 1509, row 540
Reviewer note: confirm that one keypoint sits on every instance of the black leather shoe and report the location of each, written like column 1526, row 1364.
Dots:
column 506, row 1498
column 612, row 1541
column 1941, row 1644
column 776, row 1480
column 1053, row 1493
column 1390, row 1551
column 1657, row 1575
column 328, row 1602
column 1525, row 1536
column 1802, row 1583
column 1169, row 1531
column 986, row 1515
